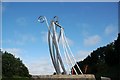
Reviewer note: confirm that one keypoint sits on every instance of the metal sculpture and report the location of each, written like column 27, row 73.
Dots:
column 54, row 41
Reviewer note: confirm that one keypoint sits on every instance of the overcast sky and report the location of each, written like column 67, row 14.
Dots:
column 87, row 27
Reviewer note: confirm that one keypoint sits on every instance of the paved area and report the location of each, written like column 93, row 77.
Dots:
column 65, row 77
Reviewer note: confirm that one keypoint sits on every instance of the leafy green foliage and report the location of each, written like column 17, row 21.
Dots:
column 13, row 67
column 104, row 61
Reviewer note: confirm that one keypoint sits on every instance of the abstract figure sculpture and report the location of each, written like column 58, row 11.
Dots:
column 54, row 38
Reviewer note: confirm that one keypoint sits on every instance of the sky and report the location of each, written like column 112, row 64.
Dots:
column 87, row 25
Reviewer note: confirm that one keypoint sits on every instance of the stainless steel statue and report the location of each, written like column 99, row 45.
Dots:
column 54, row 41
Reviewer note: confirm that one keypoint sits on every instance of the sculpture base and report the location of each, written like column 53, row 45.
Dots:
column 64, row 77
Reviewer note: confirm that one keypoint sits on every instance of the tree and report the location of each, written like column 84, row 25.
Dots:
column 117, row 50
column 12, row 66
column 110, row 54
column 104, row 61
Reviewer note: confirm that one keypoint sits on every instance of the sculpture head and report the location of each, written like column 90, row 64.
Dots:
column 41, row 19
